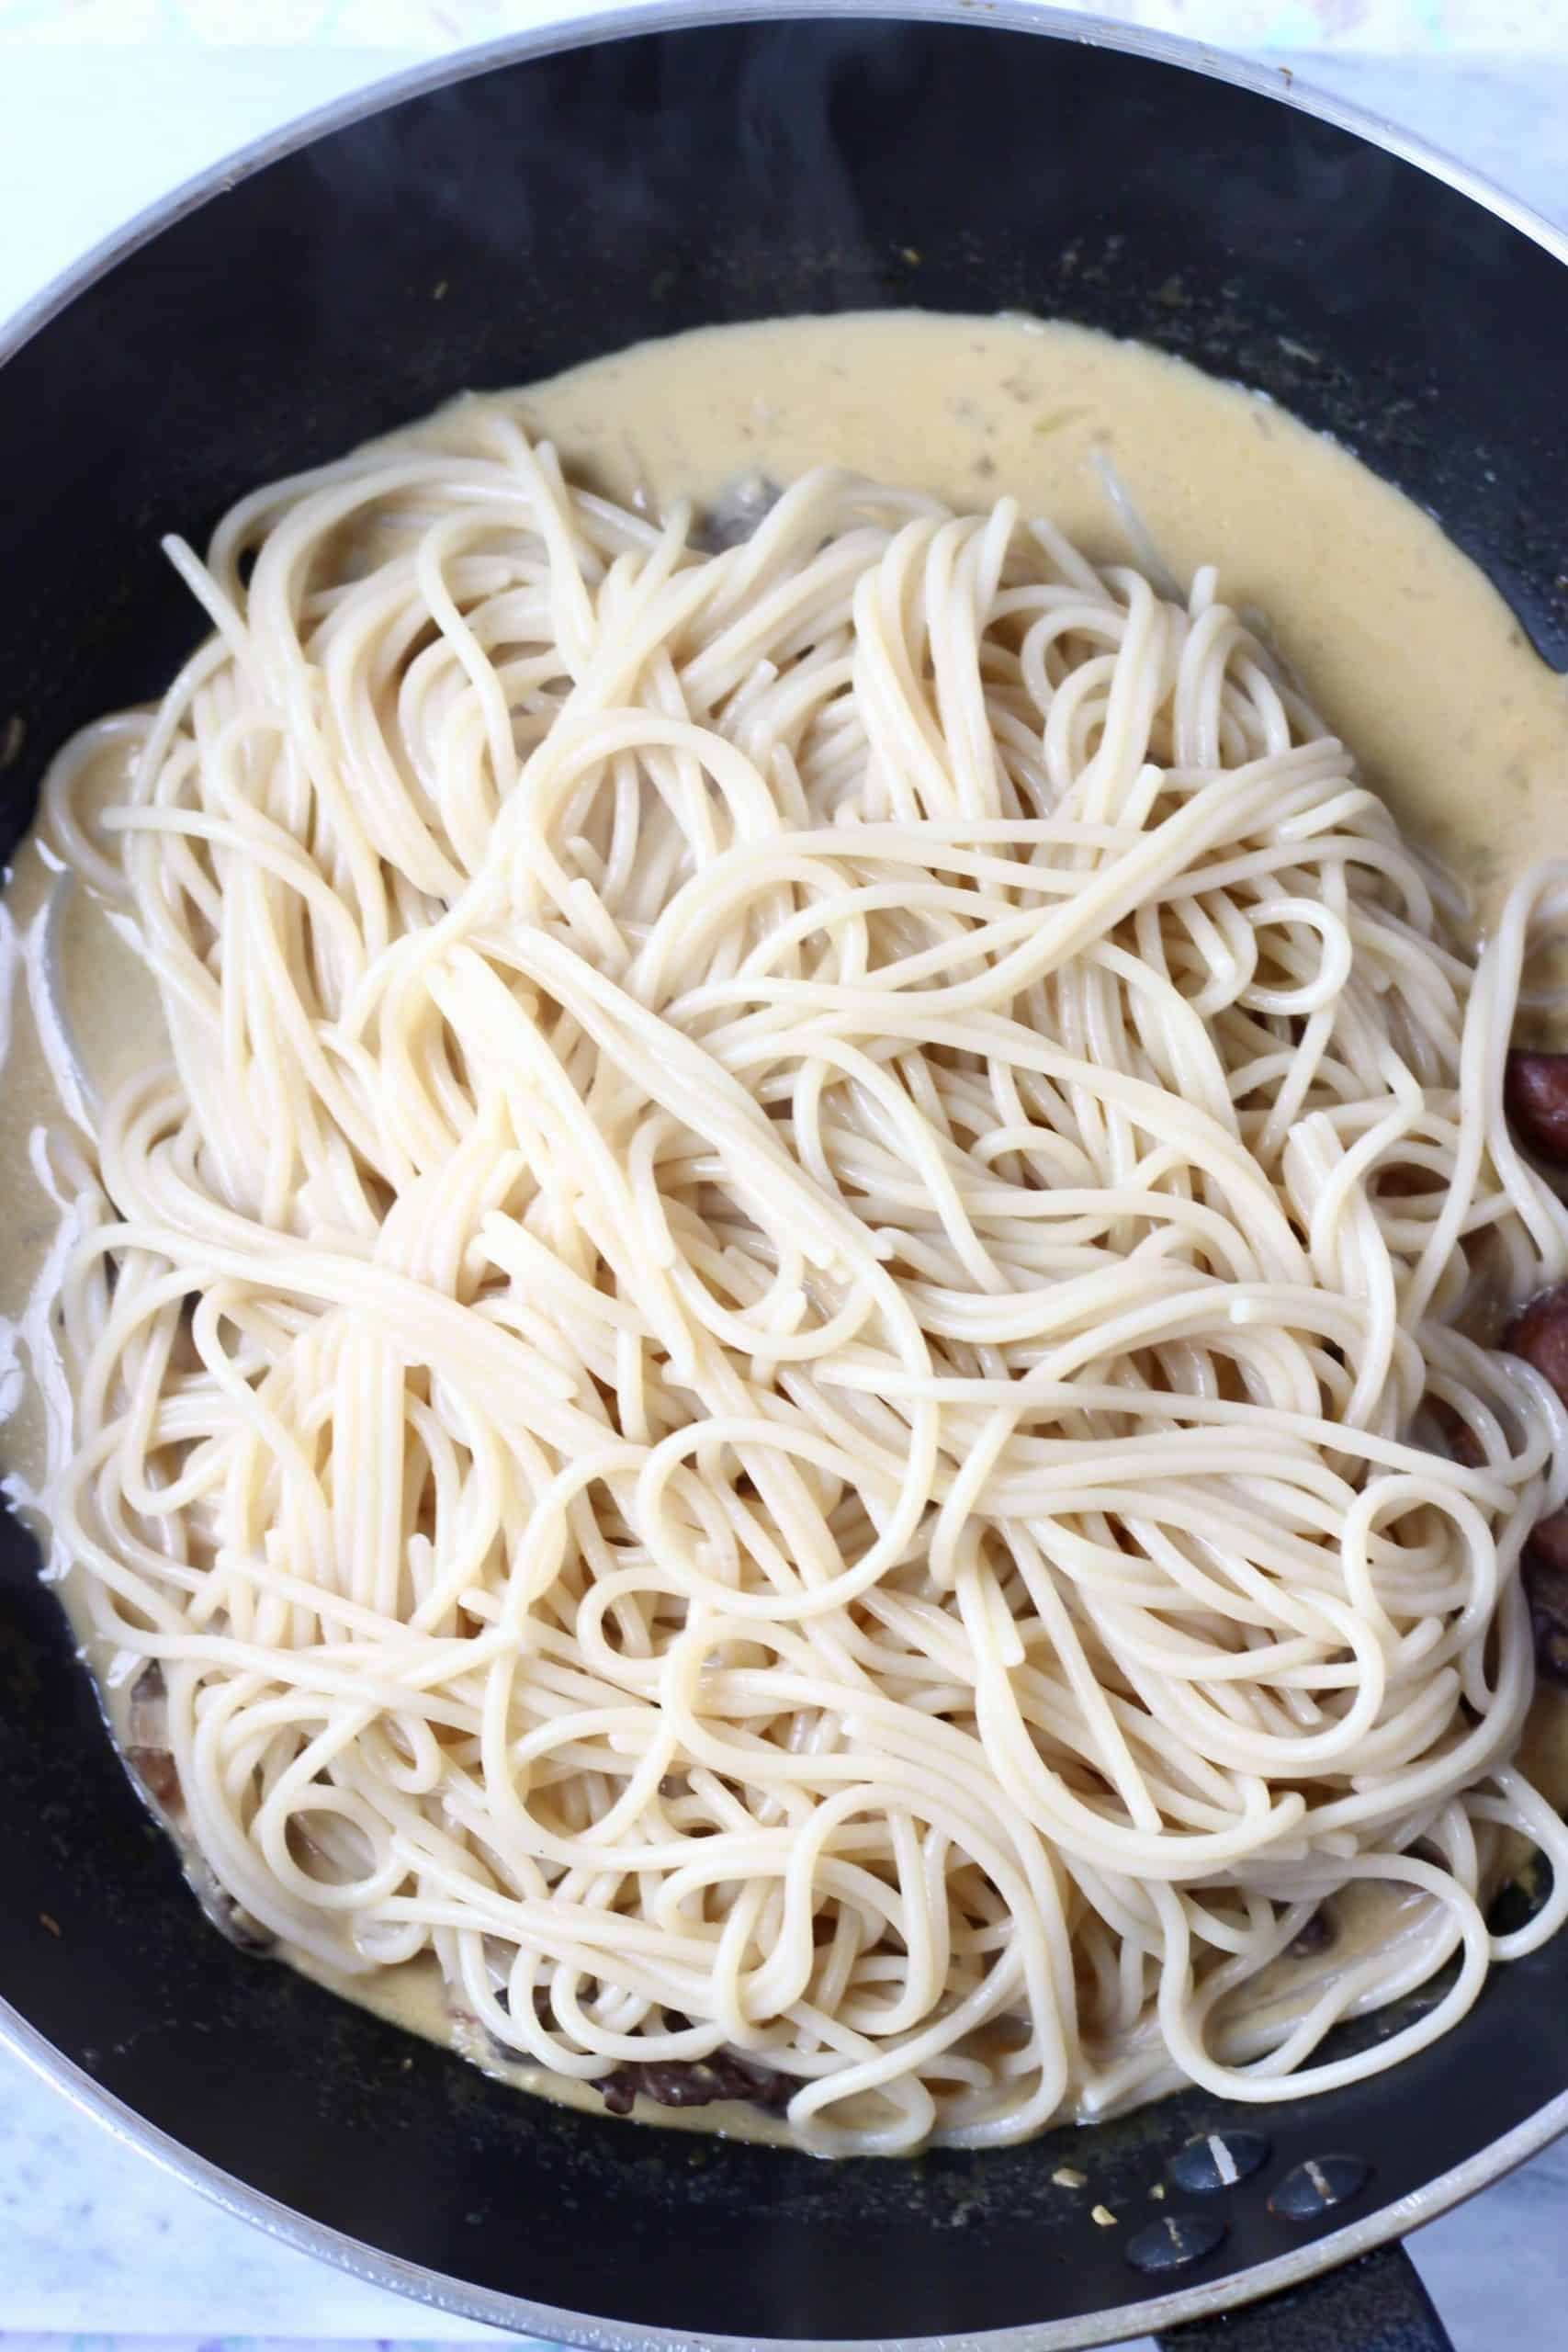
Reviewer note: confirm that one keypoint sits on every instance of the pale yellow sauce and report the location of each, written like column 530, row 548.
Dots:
column 1404, row 646
column 1399, row 641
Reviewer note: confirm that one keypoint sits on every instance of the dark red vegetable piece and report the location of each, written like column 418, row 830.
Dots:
column 1535, row 1096
column 1546, row 1583
column 1538, row 1332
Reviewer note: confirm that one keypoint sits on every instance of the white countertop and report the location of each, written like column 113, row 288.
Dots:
column 96, row 2247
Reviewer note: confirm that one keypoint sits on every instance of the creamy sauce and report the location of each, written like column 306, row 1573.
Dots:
column 1398, row 640
column 1404, row 646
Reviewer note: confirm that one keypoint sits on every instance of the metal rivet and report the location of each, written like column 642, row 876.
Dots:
column 1217, row 2160
column 1314, row 2187
column 1173, row 2242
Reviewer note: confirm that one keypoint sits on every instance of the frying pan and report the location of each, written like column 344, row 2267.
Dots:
column 498, row 219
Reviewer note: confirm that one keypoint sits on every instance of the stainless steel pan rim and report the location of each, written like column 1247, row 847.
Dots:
column 430, row 2287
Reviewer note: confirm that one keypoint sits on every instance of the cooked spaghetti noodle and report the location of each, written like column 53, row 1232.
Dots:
column 794, row 1360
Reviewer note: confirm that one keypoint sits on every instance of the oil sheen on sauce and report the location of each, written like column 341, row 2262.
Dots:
column 1401, row 643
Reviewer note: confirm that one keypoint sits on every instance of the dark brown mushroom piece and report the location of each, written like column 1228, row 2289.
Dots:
column 1317, row 1933
column 147, row 1749
column 507, row 2053
column 1538, row 1332
column 1546, row 1586
column 233, row 1922
column 156, row 1771
column 696, row 2082
column 1458, row 1436
column 735, row 513
column 150, row 1689
column 1535, row 1097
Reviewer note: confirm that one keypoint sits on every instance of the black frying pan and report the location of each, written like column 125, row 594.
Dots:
column 498, row 221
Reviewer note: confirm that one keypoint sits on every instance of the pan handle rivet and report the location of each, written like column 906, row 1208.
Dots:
column 1314, row 2187
column 1175, row 2241
column 1217, row 2160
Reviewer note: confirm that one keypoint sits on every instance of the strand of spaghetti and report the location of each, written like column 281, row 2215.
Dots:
column 764, row 1373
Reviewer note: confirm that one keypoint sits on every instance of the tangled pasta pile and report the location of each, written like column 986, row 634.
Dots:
column 791, row 1361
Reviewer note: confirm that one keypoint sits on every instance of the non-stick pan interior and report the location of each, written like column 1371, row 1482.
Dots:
column 498, row 230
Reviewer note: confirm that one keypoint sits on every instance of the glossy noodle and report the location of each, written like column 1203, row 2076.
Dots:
column 795, row 1359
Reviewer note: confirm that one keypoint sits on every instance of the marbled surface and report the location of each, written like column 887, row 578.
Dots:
column 98, row 2249
column 1382, row 27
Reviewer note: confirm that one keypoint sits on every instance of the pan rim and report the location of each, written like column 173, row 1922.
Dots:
column 461, row 2299
column 1280, row 83
column 420, row 2283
